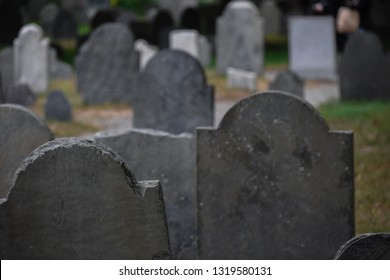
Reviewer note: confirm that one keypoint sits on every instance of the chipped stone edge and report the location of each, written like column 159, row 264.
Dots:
column 127, row 131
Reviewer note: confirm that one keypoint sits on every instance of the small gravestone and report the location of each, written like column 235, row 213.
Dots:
column 272, row 17
column 172, row 94
column 238, row 78
column 273, row 182
column 106, row 65
column 146, row 52
column 369, row 246
column 80, row 201
column 312, row 47
column 173, row 163
column 47, row 16
column 240, row 38
column 289, row 82
column 21, row 132
column 364, row 69
column 7, row 66
column 64, row 26
column 11, row 20
column 57, row 107
column 59, row 69
column 31, row 58
column 20, row 94
column 177, row 7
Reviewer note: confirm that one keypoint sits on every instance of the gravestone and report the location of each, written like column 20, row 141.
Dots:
column 240, row 38
column 106, row 65
column 31, row 58
column 364, row 69
column 312, row 47
column 177, row 7
column 274, row 183
column 59, row 69
column 11, row 20
column 64, row 26
column 20, row 94
column 289, row 82
column 369, row 246
column 47, row 16
column 78, row 8
column 173, row 164
column 7, row 67
column 80, row 201
column 57, row 107
column 205, row 50
column 161, row 24
column 238, row 78
column 272, row 17
column 146, row 52
column 21, row 132
column 172, row 94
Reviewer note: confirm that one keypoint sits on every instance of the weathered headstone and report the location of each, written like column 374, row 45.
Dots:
column 289, row 82
column 240, row 38
column 20, row 94
column 274, row 182
column 172, row 94
column 21, row 132
column 176, row 7
column 146, row 52
column 31, row 58
column 59, row 69
column 312, row 47
column 47, row 16
column 57, row 107
column 238, row 78
column 364, row 69
column 106, row 65
column 272, row 17
column 7, row 66
column 369, row 246
column 64, row 25
column 80, row 201
column 173, row 164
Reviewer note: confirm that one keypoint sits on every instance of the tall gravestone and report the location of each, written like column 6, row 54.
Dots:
column 173, row 95
column 31, row 58
column 274, row 183
column 240, row 38
column 7, row 66
column 106, row 65
column 21, row 132
column 161, row 24
column 80, row 201
column 173, row 164
column 289, row 82
column 312, row 47
column 364, row 69
column 369, row 246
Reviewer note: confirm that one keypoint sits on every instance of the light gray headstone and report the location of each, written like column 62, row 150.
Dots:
column 107, row 65
column 240, row 38
column 274, row 183
column 21, row 132
column 312, row 47
column 146, row 52
column 272, row 17
column 172, row 94
column 289, row 82
column 172, row 162
column 31, row 58
column 177, row 7
column 7, row 66
column 238, row 78
column 364, row 69
column 80, row 201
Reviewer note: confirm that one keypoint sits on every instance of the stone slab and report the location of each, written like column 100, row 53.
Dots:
column 238, row 78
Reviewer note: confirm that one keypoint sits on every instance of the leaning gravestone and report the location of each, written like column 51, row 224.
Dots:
column 20, row 94
column 289, row 82
column 369, row 246
column 173, row 163
column 274, row 182
column 7, row 66
column 21, row 132
column 364, row 69
column 240, row 38
column 106, row 65
column 31, row 58
column 80, row 201
column 312, row 47
column 172, row 94
column 57, row 107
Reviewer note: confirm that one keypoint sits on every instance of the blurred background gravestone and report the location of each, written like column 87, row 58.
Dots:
column 289, row 82
column 57, row 107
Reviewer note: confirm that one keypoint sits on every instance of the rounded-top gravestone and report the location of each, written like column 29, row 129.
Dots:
column 57, row 107
column 289, row 82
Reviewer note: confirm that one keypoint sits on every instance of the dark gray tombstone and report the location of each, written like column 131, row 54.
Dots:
column 7, row 66
column 57, row 107
column 274, row 182
column 80, row 201
column 47, row 16
column 21, row 132
column 172, row 94
column 173, row 163
column 288, row 81
column 369, row 246
column 106, row 65
column 364, row 69
column 64, row 26
column 20, row 94
column 240, row 38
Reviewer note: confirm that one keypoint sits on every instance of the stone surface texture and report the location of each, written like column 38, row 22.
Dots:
column 289, row 82
column 57, row 107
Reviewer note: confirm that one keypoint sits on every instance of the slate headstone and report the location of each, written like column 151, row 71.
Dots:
column 80, row 201
column 31, row 58
column 273, row 182
column 7, row 67
column 173, row 164
column 21, row 132
column 312, row 47
column 289, row 82
column 240, row 38
column 57, row 107
column 106, row 65
column 20, row 94
column 364, row 69
column 47, row 16
column 64, row 26
column 172, row 94
column 11, row 20
column 369, row 246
